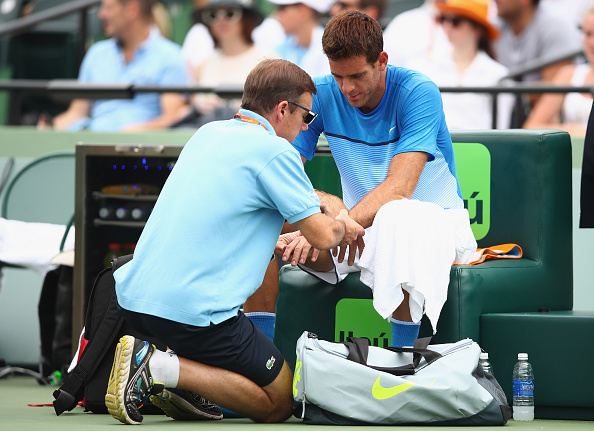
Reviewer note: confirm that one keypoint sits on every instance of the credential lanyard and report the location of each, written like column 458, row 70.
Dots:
column 250, row 120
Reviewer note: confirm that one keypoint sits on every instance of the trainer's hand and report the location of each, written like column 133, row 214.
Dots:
column 353, row 239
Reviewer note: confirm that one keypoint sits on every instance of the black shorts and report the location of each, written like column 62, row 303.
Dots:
column 236, row 344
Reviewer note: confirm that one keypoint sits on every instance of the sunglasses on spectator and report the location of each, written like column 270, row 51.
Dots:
column 309, row 117
column 344, row 5
column 454, row 20
column 282, row 7
column 230, row 14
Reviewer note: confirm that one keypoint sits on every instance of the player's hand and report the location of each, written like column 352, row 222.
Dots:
column 352, row 240
column 295, row 248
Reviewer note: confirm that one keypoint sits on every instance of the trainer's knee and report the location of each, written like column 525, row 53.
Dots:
column 280, row 394
column 280, row 412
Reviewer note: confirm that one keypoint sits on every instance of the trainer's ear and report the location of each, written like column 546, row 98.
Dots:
column 282, row 109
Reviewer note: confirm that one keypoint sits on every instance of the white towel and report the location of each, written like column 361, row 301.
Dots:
column 32, row 245
column 412, row 245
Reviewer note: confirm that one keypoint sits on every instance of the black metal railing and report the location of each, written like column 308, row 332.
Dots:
column 62, row 90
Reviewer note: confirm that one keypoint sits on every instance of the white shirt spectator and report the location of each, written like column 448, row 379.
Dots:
column 468, row 110
column 413, row 34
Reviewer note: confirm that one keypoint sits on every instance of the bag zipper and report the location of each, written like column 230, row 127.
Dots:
column 330, row 352
column 460, row 346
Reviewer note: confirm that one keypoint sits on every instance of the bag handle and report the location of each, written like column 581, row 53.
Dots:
column 359, row 352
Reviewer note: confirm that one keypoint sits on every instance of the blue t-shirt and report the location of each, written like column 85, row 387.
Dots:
column 409, row 118
column 157, row 61
column 208, row 241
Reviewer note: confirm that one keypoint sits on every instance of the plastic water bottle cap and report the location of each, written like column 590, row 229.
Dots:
column 484, row 355
column 522, row 356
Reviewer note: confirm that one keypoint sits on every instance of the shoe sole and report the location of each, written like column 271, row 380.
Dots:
column 118, row 378
column 170, row 403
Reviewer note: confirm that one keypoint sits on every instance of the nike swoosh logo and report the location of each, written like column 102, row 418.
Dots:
column 390, row 131
column 381, row 393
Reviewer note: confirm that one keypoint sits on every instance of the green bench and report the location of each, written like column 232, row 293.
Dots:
column 517, row 187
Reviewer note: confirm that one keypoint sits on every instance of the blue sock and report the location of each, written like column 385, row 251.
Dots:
column 404, row 333
column 264, row 321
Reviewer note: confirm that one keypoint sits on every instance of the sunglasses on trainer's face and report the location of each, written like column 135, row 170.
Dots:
column 309, row 117
column 227, row 13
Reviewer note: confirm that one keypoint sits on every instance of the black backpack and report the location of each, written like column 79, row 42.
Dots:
column 104, row 325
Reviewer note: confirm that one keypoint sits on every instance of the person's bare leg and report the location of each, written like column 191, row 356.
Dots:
column 272, row 403
column 402, row 313
column 264, row 299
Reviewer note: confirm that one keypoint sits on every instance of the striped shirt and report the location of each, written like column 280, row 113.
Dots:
column 409, row 118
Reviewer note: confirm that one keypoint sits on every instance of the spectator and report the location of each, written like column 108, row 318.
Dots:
column 373, row 8
column 135, row 55
column 198, row 43
column 468, row 63
column 230, row 24
column 268, row 34
column 569, row 112
column 571, row 11
column 303, row 41
column 530, row 32
column 414, row 33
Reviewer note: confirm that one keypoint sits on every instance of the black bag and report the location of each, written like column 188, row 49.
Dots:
column 55, row 322
column 104, row 325
column 54, row 311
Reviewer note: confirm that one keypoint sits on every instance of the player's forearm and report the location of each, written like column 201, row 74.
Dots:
column 366, row 209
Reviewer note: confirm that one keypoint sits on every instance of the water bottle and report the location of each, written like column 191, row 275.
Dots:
column 523, row 389
column 484, row 361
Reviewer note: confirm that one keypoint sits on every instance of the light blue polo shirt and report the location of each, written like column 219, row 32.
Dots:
column 209, row 239
column 158, row 61
column 409, row 118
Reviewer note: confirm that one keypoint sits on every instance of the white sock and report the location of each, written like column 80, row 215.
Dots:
column 165, row 368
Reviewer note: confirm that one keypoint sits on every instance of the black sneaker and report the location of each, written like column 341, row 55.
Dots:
column 183, row 405
column 130, row 382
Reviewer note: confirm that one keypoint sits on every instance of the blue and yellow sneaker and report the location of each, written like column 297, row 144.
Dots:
column 183, row 405
column 130, row 382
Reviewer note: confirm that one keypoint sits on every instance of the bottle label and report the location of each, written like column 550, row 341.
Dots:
column 523, row 388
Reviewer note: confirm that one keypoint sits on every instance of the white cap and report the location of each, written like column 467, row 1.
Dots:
column 522, row 356
column 321, row 6
column 484, row 355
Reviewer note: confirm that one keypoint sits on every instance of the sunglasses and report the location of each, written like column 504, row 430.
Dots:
column 309, row 117
column 230, row 14
column 454, row 20
column 344, row 5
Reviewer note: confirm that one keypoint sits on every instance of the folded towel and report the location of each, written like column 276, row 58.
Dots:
column 32, row 245
column 412, row 246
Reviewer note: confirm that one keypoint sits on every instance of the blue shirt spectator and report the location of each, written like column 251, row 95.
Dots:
column 137, row 54
column 157, row 61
